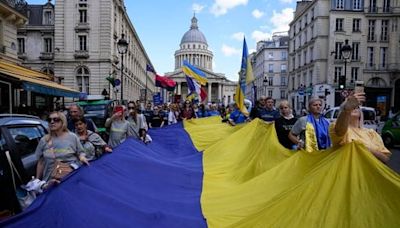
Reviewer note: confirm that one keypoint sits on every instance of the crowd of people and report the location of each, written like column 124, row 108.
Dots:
column 73, row 141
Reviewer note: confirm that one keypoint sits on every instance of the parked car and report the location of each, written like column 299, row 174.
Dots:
column 391, row 131
column 19, row 135
column 370, row 120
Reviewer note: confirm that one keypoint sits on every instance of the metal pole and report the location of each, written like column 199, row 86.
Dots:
column 345, row 70
column 145, row 91
column 122, row 78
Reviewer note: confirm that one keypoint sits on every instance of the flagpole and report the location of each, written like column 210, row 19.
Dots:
column 145, row 91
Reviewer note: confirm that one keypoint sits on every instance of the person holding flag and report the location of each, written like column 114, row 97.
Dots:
column 245, row 77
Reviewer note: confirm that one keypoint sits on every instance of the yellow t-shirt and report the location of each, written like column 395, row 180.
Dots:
column 370, row 138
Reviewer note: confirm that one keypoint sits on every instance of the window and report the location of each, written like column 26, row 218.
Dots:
column 305, row 19
column 283, row 55
column 26, row 138
column 82, row 79
column 311, row 54
column 328, row 115
column 371, row 30
column 48, row 18
column 299, row 58
column 293, row 82
column 312, row 31
column 305, row 57
column 82, row 16
column 310, row 77
column 312, row 14
column 356, row 25
column 338, row 47
column 270, row 55
column 339, row 4
column 294, row 63
column 384, row 30
column 270, row 93
column 82, row 42
column 283, row 94
column 386, row 6
column 354, row 74
column 21, row 45
column 339, row 24
column 270, row 81
column 383, row 57
column 355, row 51
column 338, row 73
column 270, row 68
column 283, row 68
column 372, row 6
column 370, row 55
column 48, row 45
column 283, row 81
column 356, row 4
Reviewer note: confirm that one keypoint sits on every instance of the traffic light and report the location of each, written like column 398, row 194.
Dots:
column 342, row 82
column 327, row 92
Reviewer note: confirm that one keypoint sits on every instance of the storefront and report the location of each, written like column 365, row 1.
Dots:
column 23, row 90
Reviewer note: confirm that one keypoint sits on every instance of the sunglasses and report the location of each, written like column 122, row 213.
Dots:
column 131, row 108
column 56, row 120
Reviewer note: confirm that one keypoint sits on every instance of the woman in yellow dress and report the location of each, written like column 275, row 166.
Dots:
column 349, row 127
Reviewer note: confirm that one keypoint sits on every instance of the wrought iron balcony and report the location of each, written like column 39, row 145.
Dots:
column 81, row 54
column 46, row 56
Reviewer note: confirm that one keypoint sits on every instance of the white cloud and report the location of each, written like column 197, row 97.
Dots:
column 229, row 51
column 257, row 13
column 238, row 36
column 280, row 20
column 258, row 35
column 197, row 7
column 221, row 7
column 286, row 1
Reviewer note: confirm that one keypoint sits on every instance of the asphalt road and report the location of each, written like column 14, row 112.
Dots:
column 394, row 161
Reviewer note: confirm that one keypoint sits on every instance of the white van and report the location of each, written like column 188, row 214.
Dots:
column 370, row 120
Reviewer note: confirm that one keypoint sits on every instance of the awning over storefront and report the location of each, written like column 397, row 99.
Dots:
column 36, row 81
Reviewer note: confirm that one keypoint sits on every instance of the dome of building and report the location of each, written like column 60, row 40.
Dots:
column 194, row 35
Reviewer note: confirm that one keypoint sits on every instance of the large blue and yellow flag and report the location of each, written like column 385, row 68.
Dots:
column 193, row 72
column 245, row 77
column 242, row 178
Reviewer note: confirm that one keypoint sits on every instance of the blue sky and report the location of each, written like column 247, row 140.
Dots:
column 161, row 25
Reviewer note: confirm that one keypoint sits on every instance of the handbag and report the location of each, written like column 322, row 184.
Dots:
column 61, row 169
column 25, row 198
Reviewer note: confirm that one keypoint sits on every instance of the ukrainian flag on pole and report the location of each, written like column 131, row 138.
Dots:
column 192, row 72
column 245, row 77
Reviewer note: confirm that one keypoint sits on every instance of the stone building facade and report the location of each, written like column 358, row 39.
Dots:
column 270, row 64
column 320, row 29
column 194, row 49
column 83, row 50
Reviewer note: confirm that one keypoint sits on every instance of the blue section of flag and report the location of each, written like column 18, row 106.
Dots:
column 150, row 68
column 138, row 185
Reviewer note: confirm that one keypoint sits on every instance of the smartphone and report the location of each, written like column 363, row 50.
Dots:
column 359, row 87
column 118, row 109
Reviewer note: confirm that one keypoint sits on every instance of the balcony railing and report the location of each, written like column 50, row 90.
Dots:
column 22, row 55
column 46, row 55
column 20, row 6
column 374, row 10
column 81, row 54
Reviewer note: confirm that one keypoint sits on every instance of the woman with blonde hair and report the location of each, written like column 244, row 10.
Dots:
column 311, row 132
column 349, row 127
column 59, row 145
column 284, row 124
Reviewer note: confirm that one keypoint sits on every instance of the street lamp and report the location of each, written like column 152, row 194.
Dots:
column 345, row 51
column 122, row 46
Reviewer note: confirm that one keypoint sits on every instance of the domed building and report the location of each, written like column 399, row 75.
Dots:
column 194, row 49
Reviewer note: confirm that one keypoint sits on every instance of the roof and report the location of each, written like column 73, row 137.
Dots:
column 12, row 119
column 35, row 15
column 194, row 35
